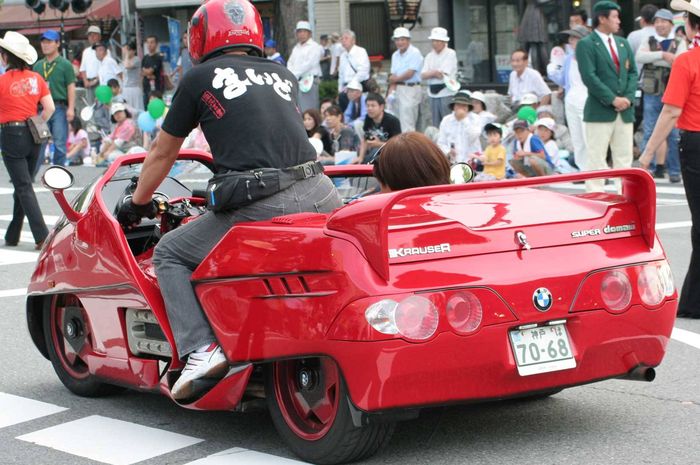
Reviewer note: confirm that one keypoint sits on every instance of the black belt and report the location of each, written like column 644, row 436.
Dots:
column 21, row 124
column 409, row 84
column 683, row 132
column 61, row 102
column 305, row 170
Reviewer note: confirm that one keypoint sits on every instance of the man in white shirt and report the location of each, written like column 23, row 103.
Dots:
column 524, row 80
column 646, row 27
column 460, row 131
column 354, row 64
column 305, row 64
column 404, row 81
column 336, row 50
column 109, row 69
column 89, row 64
column 439, row 64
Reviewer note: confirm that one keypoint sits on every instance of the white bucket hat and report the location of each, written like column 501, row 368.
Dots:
column 529, row 99
column 303, row 25
column 401, row 32
column 691, row 6
column 18, row 45
column 439, row 33
column 477, row 95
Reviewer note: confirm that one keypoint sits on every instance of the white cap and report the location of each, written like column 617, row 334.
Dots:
column 303, row 25
column 439, row 33
column 117, row 107
column 95, row 29
column 549, row 123
column 529, row 99
column 354, row 85
column 400, row 32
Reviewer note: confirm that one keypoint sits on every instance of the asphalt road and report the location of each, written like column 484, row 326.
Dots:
column 612, row 422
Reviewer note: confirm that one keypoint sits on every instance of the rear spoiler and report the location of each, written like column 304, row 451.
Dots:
column 366, row 223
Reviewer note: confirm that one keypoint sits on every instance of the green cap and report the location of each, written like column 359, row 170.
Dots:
column 605, row 6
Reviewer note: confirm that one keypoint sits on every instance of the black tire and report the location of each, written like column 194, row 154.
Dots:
column 74, row 375
column 343, row 442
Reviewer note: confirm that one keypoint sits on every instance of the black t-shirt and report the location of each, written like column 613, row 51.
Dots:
column 155, row 62
column 389, row 127
column 247, row 107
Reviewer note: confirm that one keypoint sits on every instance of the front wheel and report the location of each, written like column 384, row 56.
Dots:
column 69, row 342
column 310, row 409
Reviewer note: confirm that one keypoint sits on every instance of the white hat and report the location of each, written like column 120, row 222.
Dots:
column 303, row 25
column 529, row 99
column 95, row 29
column 117, row 107
column 19, row 46
column 439, row 33
column 400, row 32
column 546, row 122
column 691, row 6
column 478, row 95
column 354, row 85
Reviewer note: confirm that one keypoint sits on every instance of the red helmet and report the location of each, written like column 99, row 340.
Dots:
column 222, row 24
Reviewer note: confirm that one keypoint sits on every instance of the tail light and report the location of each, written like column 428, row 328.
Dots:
column 464, row 312
column 613, row 290
column 415, row 317
column 616, row 290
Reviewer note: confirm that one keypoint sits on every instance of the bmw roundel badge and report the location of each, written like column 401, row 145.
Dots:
column 542, row 299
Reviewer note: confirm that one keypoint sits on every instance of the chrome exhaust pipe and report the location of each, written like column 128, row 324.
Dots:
column 641, row 373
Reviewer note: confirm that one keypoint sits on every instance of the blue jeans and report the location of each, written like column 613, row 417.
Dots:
column 180, row 251
column 58, row 125
column 652, row 109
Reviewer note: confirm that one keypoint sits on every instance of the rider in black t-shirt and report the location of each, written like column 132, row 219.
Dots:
column 247, row 108
column 379, row 127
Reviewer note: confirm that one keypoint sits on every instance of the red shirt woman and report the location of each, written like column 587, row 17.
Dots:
column 682, row 109
column 21, row 91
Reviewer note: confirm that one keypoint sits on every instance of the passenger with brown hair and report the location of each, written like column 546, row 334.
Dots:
column 410, row 160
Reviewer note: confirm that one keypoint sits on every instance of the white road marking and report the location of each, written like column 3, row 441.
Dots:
column 241, row 456
column 15, row 409
column 660, row 189
column 38, row 190
column 673, row 225
column 24, row 236
column 109, row 441
column 12, row 257
column 50, row 220
column 13, row 292
column 686, row 337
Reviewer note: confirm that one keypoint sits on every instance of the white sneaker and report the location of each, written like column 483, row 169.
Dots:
column 208, row 364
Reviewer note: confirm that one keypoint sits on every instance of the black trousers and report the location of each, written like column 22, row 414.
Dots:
column 689, row 151
column 19, row 154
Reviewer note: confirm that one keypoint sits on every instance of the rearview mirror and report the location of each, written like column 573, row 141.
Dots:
column 461, row 173
column 57, row 178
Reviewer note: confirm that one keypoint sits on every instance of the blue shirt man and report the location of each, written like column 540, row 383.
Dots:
column 272, row 54
column 406, row 66
column 357, row 104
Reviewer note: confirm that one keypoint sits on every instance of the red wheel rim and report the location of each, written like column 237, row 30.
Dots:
column 309, row 412
column 73, row 362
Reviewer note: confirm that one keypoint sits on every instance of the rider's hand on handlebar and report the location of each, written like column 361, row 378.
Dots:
column 130, row 214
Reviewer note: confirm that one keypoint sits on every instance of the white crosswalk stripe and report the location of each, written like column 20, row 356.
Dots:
column 13, row 257
column 110, row 441
column 13, row 292
column 38, row 190
column 50, row 220
column 686, row 337
column 15, row 409
column 240, row 456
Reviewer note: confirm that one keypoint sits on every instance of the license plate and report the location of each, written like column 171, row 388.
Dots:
column 542, row 349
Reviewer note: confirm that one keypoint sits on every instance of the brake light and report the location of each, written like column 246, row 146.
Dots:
column 464, row 312
column 649, row 286
column 616, row 290
column 416, row 318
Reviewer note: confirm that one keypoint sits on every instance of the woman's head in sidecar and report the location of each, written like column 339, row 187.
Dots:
column 410, row 160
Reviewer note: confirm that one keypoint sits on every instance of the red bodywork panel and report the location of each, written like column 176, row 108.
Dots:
column 299, row 285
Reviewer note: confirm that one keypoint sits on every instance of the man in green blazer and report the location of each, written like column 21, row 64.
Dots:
column 607, row 67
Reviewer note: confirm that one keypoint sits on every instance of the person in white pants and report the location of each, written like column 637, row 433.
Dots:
column 404, row 81
column 576, row 93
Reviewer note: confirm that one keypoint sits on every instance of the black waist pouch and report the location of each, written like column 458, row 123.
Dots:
column 235, row 189
column 435, row 88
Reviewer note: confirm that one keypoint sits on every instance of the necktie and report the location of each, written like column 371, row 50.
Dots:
column 615, row 59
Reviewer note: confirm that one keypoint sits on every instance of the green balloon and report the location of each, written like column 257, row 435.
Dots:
column 527, row 113
column 103, row 94
column 156, row 108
